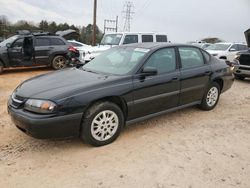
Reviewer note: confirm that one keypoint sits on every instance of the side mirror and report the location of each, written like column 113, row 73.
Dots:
column 232, row 50
column 8, row 45
column 149, row 71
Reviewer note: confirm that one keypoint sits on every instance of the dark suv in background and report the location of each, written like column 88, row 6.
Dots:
column 242, row 60
column 33, row 49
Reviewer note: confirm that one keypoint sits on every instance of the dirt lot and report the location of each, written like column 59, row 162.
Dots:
column 188, row 148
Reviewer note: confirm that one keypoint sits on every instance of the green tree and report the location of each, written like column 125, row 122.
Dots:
column 52, row 27
column 43, row 25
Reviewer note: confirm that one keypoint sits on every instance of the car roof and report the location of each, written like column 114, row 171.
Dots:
column 154, row 45
column 142, row 33
column 230, row 43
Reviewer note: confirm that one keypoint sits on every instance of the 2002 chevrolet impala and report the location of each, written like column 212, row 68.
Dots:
column 123, row 85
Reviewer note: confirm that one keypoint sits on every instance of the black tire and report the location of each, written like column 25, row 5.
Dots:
column 59, row 62
column 206, row 104
column 239, row 77
column 1, row 67
column 88, row 134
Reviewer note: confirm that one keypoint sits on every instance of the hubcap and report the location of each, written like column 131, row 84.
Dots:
column 212, row 96
column 104, row 125
column 60, row 63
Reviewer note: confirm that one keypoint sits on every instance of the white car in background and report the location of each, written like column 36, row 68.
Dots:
column 116, row 39
column 226, row 51
column 84, row 50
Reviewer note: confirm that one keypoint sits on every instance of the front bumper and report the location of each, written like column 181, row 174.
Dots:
column 242, row 70
column 44, row 126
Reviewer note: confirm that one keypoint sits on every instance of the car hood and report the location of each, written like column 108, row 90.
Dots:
column 215, row 51
column 61, row 84
column 247, row 35
column 101, row 48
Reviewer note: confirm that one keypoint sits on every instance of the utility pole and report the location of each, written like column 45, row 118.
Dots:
column 109, row 25
column 94, row 24
column 128, row 11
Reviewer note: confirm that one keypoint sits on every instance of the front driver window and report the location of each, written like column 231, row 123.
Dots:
column 163, row 60
column 18, row 43
column 129, row 39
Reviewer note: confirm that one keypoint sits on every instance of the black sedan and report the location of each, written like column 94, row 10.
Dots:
column 124, row 85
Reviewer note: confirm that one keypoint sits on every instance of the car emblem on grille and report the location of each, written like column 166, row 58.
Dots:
column 15, row 99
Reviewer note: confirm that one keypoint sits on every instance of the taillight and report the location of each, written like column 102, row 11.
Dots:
column 72, row 49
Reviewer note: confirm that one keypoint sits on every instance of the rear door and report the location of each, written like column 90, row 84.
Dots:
column 42, row 49
column 195, row 75
column 159, row 92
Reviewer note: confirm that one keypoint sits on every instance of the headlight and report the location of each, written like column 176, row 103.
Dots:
column 40, row 106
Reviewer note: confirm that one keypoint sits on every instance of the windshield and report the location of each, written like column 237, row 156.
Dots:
column 221, row 47
column 111, row 39
column 9, row 40
column 117, row 61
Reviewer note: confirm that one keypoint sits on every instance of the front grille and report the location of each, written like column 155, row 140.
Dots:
column 244, row 68
column 245, row 59
column 17, row 101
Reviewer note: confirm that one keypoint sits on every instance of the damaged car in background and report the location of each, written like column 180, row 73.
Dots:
column 242, row 61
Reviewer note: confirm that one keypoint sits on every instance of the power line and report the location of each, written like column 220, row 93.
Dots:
column 128, row 11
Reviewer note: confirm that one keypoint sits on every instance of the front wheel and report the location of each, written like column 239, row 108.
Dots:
column 59, row 62
column 211, row 97
column 102, row 124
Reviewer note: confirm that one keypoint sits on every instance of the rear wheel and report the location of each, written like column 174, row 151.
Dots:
column 239, row 77
column 59, row 62
column 1, row 67
column 102, row 124
column 211, row 97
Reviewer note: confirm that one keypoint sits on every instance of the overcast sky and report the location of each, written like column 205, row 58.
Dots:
column 182, row 20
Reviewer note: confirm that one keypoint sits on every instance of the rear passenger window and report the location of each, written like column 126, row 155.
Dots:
column 56, row 42
column 161, row 38
column 190, row 57
column 163, row 60
column 42, row 42
column 147, row 38
column 129, row 39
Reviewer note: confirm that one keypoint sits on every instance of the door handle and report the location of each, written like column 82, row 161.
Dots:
column 175, row 79
column 207, row 72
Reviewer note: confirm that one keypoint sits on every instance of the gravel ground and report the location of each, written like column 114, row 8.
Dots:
column 188, row 148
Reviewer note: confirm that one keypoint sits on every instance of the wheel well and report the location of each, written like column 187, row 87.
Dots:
column 223, row 57
column 220, row 82
column 116, row 100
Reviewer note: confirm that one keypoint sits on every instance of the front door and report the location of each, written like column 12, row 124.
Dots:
column 159, row 92
column 15, row 53
column 21, row 52
column 194, row 75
